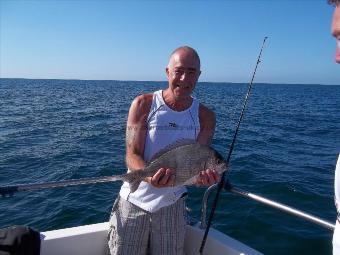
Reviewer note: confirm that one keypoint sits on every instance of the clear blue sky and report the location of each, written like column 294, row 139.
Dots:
column 131, row 40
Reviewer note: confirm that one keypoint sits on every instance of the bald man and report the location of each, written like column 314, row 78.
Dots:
column 152, row 219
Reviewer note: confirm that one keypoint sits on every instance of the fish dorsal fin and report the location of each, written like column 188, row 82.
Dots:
column 172, row 146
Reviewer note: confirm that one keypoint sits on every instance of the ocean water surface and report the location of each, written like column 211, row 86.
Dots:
column 288, row 144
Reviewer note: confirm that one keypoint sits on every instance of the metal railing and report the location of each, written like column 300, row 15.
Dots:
column 263, row 200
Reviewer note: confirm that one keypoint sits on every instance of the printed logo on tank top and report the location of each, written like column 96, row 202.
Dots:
column 172, row 124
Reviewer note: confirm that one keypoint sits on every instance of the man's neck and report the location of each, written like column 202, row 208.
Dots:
column 176, row 104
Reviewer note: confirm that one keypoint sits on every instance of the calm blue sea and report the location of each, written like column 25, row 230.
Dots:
column 288, row 144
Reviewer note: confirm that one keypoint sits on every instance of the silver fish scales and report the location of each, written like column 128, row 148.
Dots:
column 187, row 160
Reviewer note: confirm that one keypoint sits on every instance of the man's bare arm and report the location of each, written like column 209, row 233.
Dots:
column 136, row 129
column 207, row 125
column 207, row 129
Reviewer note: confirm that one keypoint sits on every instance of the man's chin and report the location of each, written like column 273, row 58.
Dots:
column 181, row 97
column 337, row 55
column 337, row 59
column 182, row 94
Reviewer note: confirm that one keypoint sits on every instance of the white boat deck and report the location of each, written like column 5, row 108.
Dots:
column 92, row 239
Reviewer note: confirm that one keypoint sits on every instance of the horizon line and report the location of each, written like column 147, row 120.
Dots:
column 224, row 82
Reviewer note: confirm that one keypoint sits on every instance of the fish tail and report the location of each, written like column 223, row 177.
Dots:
column 134, row 178
column 134, row 185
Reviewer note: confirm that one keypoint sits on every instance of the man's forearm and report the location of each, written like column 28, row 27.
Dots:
column 134, row 162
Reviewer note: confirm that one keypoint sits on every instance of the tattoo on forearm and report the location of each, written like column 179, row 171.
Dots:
column 130, row 136
column 132, row 132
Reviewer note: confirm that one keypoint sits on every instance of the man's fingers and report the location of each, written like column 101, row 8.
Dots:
column 204, row 178
column 163, row 178
column 216, row 176
column 208, row 178
column 213, row 177
column 169, row 178
column 157, row 176
column 199, row 181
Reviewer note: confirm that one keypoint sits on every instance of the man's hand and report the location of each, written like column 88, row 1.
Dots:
column 164, row 177
column 207, row 178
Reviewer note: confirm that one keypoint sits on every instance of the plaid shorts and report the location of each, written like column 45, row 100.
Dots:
column 136, row 231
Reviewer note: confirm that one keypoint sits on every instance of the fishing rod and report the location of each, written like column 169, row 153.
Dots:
column 231, row 148
column 9, row 190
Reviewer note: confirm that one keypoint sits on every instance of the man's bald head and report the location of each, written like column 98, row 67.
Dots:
column 187, row 51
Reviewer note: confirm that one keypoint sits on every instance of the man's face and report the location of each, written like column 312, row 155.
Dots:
column 336, row 31
column 183, row 72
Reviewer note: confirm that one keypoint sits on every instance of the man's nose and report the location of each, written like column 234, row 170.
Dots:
column 183, row 76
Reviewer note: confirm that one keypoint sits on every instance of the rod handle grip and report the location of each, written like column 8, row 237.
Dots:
column 8, row 191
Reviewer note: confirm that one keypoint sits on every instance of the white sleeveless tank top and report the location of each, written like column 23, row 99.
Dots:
column 165, row 126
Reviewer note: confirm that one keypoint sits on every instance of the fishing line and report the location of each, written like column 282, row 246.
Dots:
column 222, row 181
